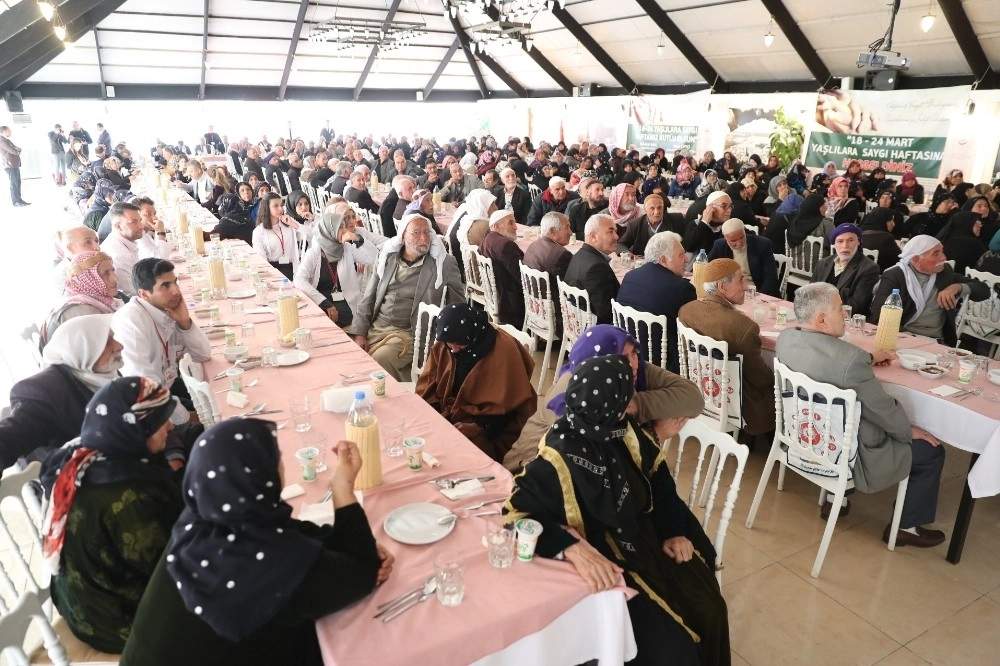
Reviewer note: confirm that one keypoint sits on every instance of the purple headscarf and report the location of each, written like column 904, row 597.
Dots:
column 599, row 340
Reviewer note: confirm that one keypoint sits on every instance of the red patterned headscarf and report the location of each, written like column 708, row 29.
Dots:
column 84, row 283
column 621, row 217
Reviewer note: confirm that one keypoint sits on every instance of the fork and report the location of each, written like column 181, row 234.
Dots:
column 974, row 392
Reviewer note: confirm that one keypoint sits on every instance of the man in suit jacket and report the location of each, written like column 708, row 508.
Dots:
column 590, row 203
column 549, row 255
column 848, row 269
column 358, row 194
column 716, row 317
column 413, row 268
column 929, row 289
column 641, row 229
column 590, row 268
column 659, row 287
column 514, row 197
column 753, row 253
column 337, row 185
column 500, row 247
column 402, row 188
column 702, row 233
column 889, row 448
column 459, row 185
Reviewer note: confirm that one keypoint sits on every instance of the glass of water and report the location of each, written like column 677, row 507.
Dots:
column 499, row 545
column 394, row 448
column 751, row 291
column 300, row 414
column 450, row 574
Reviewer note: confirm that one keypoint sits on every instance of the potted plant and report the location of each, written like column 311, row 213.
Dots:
column 787, row 139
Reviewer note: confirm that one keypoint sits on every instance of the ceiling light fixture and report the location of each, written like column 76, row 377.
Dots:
column 59, row 29
column 769, row 36
column 660, row 45
column 927, row 22
column 576, row 53
column 47, row 9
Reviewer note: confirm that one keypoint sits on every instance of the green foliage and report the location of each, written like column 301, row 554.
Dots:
column 787, row 138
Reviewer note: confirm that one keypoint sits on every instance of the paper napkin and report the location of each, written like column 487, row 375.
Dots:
column 464, row 489
column 945, row 391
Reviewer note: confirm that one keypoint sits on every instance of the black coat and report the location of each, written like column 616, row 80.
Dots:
column 590, row 270
column 637, row 232
column 521, row 204
column 856, row 283
column 655, row 289
column 760, row 258
column 386, row 212
column 362, row 198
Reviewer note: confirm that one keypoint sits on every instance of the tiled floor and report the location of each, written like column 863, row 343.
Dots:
column 869, row 605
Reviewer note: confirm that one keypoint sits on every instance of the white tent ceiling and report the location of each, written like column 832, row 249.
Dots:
column 151, row 42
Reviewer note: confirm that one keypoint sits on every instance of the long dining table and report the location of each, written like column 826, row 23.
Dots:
column 540, row 610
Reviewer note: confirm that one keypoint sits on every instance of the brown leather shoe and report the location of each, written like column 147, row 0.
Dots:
column 924, row 538
column 824, row 511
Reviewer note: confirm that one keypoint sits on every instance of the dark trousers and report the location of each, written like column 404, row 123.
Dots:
column 14, row 176
column 920, row 505
column 659, row 640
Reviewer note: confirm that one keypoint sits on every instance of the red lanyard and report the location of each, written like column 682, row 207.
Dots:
column 333, row 275
column 281, row 238
column 164, row 343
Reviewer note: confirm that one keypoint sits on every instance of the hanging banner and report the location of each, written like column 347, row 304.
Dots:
column 895, row 154
column 647, row 138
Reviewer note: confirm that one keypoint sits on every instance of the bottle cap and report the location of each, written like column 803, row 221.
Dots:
column 359, row 395
column 896, row 291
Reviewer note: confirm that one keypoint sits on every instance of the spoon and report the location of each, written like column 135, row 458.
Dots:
column 452, row 517
column 250, row 385
column 256, row 410
column 395, row 603
column 429, row 589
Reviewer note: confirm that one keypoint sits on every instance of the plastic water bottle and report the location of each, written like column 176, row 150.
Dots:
column 362, row 429
column 889, row 320
column 283, row 287
column 697, row 278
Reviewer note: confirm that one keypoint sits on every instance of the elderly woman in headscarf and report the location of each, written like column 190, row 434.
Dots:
column 112, row 501
column 104, row 193
column 329, row 271
column 47, row 408
column 930, row 290
column 909, row 188
column 479, row 379
column 234, row 215
column 91, row 288
column 876, row 234
column 479, row 204
column 710, row 183
column 423, row 204
column 777, row 192
column 811, row 220
column 242, row 581
column 622, row 205
column 966, row 237
column 685, row 183
column 660, row 394
column 608, row 504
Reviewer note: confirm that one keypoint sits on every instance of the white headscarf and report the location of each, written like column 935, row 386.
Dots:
column 77, row 344
column 476, row 207
column 396, row 244
column 914, row 248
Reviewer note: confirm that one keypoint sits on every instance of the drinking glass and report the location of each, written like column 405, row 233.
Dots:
column 751, row 292
column 448, row 569
column 858, row 323
column 303, row 338
column 983, row 364
column 394, row 448
column 317, row 439
column 499, row 545
column 261, row 294
column 847, row 311
column 268, row 357
column 236, row 308
column 300, row 414
column 247, row 333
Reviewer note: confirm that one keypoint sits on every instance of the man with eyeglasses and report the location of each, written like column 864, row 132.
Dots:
column 702, row 233
column 413, row 268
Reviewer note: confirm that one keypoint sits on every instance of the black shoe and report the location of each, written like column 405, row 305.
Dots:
column 924, row 538
column 824, row 512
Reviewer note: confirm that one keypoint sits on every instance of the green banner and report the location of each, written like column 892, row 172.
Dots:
column 895, row 154
column 647, row 138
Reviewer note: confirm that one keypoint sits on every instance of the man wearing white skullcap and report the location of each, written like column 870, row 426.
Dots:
column 753, row 253
column 703, row 233
column 929, row 289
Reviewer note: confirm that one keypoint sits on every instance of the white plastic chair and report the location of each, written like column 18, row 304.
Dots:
column 781, row 262
column 17, row 491
column 871, row 254
column 32, row 336
column 722, row 446
column 705, row 361
column 752, row 227
column 539, row 313
column 577, row 317
column 201, row 392
column 15, row 625
column 803, row 259
column 534, row 191
column 423, row 338
column 526, row 340
column 640, row 325
column 812, row 410
column 473, row 283
column 488, row 281
column 981, row 319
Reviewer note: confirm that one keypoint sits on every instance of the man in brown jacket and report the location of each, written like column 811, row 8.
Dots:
column 11, row 157
column 716, row 317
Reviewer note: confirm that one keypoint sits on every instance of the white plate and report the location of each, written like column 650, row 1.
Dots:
column 241, row 293
column 292, row 357
column 235, row 277
column 416, row 524
column 922, row 355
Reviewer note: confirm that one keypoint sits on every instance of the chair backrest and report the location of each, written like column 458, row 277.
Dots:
column 322, row 197
column 488, row 282
column 539, row 308
column 534, row 191
column 473, row 280
column 22, row 515
column 33, row 337
column 15, row 625
column 871, row 205
column 526, row 340
column 804, row 258
column 574, row 304
column 752, row 227
column 781, row 261
column 706, row 362
column 724, row 446
column 424, row 335
column 871, row 254
column 288, row 181
column 310, row 192
column 981, row 319
column 951, row 262
column 201, row 392
column 641, row 325
column 817, row 422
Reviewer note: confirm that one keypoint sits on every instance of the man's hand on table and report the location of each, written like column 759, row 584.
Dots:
column 385, row 570
column 881, row 357
column 362, row 341
column 920, row 433
column 679, row 548
column 948, row 297
column 599, row 572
